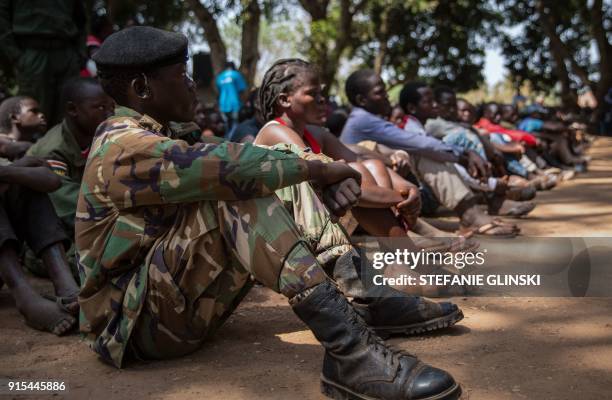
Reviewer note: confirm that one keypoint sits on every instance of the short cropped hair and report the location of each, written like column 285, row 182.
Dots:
column 410, row 93
column 72, row 90
column 357, row 83
column 8, row 108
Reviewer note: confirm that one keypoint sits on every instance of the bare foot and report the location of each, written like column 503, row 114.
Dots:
column 510, row 208
column 43, row 314
column 478, row 222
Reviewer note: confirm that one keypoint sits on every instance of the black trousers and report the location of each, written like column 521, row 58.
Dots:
column 28, row 216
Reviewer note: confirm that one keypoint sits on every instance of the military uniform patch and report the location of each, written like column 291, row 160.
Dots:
column 59, row 167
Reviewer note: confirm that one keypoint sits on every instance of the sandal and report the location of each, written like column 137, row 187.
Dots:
column 63, row 302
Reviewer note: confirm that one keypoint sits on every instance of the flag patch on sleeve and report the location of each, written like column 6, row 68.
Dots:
column 59, row 167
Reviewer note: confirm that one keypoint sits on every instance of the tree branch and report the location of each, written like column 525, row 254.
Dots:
column 316, row 8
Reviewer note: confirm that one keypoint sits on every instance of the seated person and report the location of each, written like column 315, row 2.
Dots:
column 336, row 120
column 514, row 153
column 21, row 120
column 556, row 133
column 418, row 102
column 214, row 125
column 171, row 249
column 421, row 108
column 382, row 189
column 27, row 215
column 66, row 145
column 433, row 160
column 398, row 116
column 489, row 123
column 447, row 127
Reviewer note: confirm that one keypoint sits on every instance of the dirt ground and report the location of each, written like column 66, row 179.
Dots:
column 505, row 348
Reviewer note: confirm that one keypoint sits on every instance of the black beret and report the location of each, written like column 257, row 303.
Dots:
column 141, row 48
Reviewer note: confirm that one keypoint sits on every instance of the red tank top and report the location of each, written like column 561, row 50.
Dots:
column 310, row 140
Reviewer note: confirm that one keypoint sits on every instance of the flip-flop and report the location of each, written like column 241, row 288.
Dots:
column 63, row 302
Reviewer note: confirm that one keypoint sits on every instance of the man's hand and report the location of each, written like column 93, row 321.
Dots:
column 475, row 165
column 340, row 184
column 401, row 162
column 341, row 197
column 410, row 207
column 498, row 163
column 29, row 161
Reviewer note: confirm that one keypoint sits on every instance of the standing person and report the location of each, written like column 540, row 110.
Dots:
column 45, row 41
column 169, row 234
column 230, row 84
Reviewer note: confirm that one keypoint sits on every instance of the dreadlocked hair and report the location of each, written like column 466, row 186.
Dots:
column 280, row 78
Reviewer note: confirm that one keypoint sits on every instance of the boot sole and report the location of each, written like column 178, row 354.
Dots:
column 339, row 392
column 430, row 325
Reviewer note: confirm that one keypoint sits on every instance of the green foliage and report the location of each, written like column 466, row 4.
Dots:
column 528, row 56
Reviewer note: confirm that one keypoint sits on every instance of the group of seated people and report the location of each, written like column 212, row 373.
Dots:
column 432, row 150
column 152, row 228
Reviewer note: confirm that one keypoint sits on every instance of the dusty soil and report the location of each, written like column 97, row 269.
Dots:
column 505, row 348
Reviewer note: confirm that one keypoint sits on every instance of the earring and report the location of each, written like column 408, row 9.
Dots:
column 146, row 90
column 146, row 93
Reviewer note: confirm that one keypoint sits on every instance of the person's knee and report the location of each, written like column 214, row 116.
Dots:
column 366, row 176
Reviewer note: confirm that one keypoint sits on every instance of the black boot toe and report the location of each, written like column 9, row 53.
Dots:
column 433, row 384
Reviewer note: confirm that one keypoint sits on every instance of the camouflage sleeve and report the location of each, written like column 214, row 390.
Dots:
column 148, row 169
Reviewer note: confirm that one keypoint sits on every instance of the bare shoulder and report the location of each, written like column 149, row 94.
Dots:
column 272, row 134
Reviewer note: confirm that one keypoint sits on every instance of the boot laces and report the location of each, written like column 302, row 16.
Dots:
column 390, row 353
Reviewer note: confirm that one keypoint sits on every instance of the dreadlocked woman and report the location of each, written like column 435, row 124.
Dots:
column 290, row 99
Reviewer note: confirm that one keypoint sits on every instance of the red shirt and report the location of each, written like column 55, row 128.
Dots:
column 308, row 138
column 519, row 136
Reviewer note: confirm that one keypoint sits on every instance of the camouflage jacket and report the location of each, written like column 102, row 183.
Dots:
column 134, row 180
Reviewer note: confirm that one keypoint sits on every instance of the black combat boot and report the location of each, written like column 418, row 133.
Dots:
column 388, row 310
column 360, row 365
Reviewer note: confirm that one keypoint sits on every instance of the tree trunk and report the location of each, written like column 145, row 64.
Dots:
column 560, row 54
column 218, row 51
column 251, row 15
column 328, row 59
column 382, row 34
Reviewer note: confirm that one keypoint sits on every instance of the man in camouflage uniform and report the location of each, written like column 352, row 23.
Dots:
column 168, row 234
column 44, row 40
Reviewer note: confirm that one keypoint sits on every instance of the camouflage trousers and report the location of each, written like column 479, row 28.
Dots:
column 201, row 269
